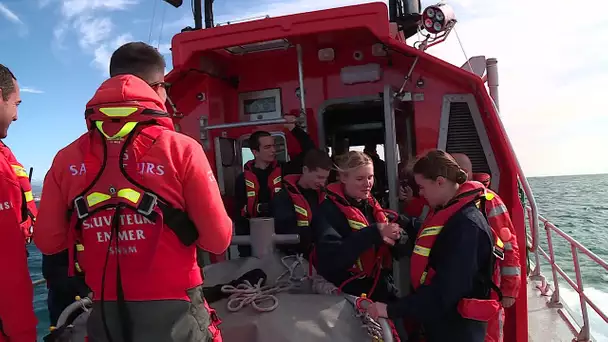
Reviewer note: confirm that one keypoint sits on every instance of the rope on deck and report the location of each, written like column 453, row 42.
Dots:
column 255, row 294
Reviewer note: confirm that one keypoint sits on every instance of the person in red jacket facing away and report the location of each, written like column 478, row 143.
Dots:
column 17, row 319
column 139, row 197
column 509, row 270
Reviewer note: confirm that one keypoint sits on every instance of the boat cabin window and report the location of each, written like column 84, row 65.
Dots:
column 280, row 143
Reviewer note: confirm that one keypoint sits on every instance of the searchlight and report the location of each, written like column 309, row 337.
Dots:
column 436, row 23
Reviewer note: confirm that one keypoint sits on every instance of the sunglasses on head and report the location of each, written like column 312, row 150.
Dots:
column 163, row 84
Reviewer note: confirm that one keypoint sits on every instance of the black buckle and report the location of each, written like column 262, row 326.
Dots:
column 498, row 253
column 147, row 204
column 80, row 205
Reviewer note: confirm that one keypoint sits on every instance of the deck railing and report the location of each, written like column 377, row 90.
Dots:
column 581, row 333
column 39, row 282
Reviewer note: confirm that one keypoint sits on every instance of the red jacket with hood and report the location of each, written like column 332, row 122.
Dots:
column 174, row 167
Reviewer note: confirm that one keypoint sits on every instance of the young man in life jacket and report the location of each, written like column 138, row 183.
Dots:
column 294, row 207
column 452, row 263
column 17, row 319
column 261, row 179
column 508, row 272
column 138, row 198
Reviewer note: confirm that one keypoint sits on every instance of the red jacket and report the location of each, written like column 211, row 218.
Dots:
column 417, row 207
column 28, row 207
column 499, row 220
column 16, row 290
column 155, row 263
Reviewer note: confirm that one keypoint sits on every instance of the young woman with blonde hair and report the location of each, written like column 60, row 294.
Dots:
column 354, row 236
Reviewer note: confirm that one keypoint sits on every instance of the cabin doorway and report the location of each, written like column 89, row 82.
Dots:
column 380, row 120
column 353, row 124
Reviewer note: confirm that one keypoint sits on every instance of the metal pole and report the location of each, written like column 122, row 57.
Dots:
column 390, row 147
column 246, row 123
column 301, row 79
column 198, row 15
column 263, row 238
column 208, row 13
column 492, row 72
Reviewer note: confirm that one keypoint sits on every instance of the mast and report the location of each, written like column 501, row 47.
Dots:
column 406, row 14
column 197, row 12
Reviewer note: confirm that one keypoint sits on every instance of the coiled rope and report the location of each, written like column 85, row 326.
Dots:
column 255, row 295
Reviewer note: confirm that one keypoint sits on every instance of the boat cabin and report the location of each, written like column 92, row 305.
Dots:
column 347, row 72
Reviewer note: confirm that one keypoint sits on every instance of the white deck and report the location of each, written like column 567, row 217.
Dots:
column 544, row 323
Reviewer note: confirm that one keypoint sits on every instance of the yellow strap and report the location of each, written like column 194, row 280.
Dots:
column 96, row 198
column 129, row 194
column 250, row 193
column 423, row 251
column 118, row 112
column 126, row 129
column 430, row 231
column 356, row 224
column 302, row 223
column 250, row 184
column 28, row 196
column 276, row 180
column 499, row 243
column 300, row 210
column 423, row 277
column 19, row 171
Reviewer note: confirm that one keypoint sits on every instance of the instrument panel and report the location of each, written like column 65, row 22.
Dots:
column 260, row 105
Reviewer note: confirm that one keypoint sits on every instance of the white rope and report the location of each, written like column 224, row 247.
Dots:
column 254, row 295
column 152, row 21
column 162, row 25
column 294, row 275
column 462, row 48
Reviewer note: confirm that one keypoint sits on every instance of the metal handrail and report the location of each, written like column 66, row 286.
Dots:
column 575, row 247
column 38, row 282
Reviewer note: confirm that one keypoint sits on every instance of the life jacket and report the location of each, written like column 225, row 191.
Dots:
column 252, row 187
column 422, row 273
column 29, row 211
column 300, row 204
column 372, row 261
column 130, row 235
